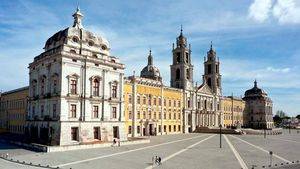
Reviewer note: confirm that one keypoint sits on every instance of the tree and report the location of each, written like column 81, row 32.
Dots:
column 281, row 113
column 298, row 116
column 277, row 120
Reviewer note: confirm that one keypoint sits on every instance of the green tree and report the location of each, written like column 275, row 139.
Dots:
column 298, row 116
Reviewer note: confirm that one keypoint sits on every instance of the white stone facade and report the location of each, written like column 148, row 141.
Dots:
column 76, row 89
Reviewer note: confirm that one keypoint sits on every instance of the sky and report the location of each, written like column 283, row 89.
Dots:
column 254, row 39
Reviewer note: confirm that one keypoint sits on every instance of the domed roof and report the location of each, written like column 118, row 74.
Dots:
column 76, row 33
column 255, row 91
column 150, row 71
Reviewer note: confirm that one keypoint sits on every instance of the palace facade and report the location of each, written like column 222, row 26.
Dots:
column 75, row 89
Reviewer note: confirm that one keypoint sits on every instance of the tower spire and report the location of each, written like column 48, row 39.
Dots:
column 77, row 18
column 211, row 45
column 150, row 58
column 181, row 29
column 255, row 83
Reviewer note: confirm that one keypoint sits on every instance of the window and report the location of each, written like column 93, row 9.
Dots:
column 170, row 116
column 154, row 116
column 73, row 111
column 129, row 99
column 186, row 57
column 165, row 128
column 149, row 101
column 33, row 111
column 138, row 129
column 138, row 99
column 54, row 85
column 179, row 104
column 43, row 86
column 129, row 129
column 149, row 115
column 188, row 73
column 208, row 69
column 138, row 115
column 179, row 116
column 165, row 115
column 42, row 110
column 165, row 102
column 174, row 116
column 178, row 57
column 159, row 128
column 170, row 104
column 174, row 128
column 91, row 43
column 97, row 133
column 154, row 101
column 159, row 100
column 114, row 112
column 34, row 88
column 54, row 110
column 96, row 85
column 74, row 133
column 144, row 115
column 170, row 128
column 73, row 86
column 144, row 100
column 75, row 39
column 179, row 128
column 130, row 115
column 96, row 111
column 177, row 74
column 114, row 91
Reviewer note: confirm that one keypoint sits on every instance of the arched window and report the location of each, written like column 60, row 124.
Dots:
column 34, row 84
column 178, row 57
column 188, row 73
column 96, row 85
column 178, row 74
column 209, row 82
column 43, row 85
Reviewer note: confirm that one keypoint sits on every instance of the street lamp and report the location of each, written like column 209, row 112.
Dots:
column 271, row 154
column 220, row 135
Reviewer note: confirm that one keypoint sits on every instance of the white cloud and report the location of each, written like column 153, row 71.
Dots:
column 284, row 11
column 287, row 11
column 260, row 10
column 278, row 70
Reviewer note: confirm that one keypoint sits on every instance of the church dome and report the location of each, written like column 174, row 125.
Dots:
column 255, row 91
column 76, row 35
column 150, row 71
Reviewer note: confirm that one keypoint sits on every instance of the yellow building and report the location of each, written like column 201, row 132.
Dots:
column 151, row 108
column 233, row 110
column 13, row 108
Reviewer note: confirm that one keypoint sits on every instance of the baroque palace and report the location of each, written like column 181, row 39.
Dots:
column 78, row 93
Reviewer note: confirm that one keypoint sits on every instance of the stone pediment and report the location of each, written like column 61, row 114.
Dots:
column 204, row 88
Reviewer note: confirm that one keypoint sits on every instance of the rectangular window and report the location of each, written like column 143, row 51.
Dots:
column 165, row 128
column 73, row 111
column 42, row 110
column 154, row 116
column 159, row 128
column 159, row 101
column 170, row 103
column 114, row 91
column 114, row 112
column 73, row 87
column 154, row 101
column 96, row 111
column 170, row 116
column 54, row 110
column 174, row 104
column 170, row 128
column 144, row 115
column 149, row 117
column 174, row 128
column 179, row 128
column 129, row 99
column 138, row 115
column 129, row 129
column 130, row 115
column 74, row 133
column 139, row 100
column 138, row 129
column 97, row 133
column 144, row 100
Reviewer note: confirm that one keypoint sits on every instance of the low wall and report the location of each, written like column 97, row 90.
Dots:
column 44, row 148
column 88, row 146
column 274, row 131
column 217, row 130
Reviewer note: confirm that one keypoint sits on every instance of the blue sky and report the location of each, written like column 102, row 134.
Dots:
column 254, row 39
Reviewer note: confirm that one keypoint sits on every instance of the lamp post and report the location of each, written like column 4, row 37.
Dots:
column 220, row 135
column 271, row 154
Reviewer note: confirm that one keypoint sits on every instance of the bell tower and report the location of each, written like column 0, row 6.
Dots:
column 181, row 69
column 212, row 71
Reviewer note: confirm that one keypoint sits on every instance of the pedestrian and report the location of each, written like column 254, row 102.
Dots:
column 119, row 143
column 114, row 142
column 159, row 160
